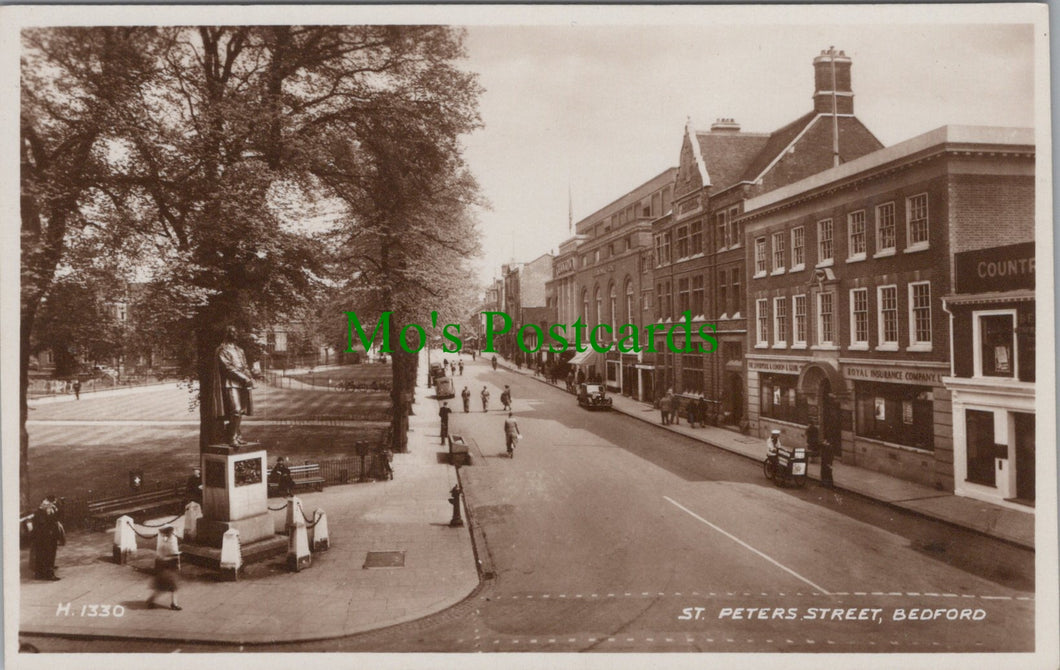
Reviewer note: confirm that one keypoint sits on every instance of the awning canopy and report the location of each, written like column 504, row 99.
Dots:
column 582, row 357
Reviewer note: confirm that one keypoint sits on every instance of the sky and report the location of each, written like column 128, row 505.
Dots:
column 594, row 111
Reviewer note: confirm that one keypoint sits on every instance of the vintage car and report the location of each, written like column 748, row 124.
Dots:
column 444, row 387
column 593, row 396
column 437, row 370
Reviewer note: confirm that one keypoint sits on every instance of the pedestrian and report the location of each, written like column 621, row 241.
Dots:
column 167, row 564
column 690, row 413
column 77, row 389
column 493, row 361
column 485, row 399
column 47, row 535
column 580, row 378
column 773, row 443
column 461, row 364
column 511, row 434
column 473, row 354
column 444, row 413
column 445, row 364
column 465, row 395
column 665, row 406
column 506, row 398
column 813, row 438
column 388, row 457
column 701, row 411
column 675, row 408
column 570, row 381
column 193, row 487
column 281, row 474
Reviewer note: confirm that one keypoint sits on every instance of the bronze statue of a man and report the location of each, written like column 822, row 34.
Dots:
column 234, row 381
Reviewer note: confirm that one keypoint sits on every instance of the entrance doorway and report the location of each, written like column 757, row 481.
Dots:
column 734, row 411
column 1024, row 424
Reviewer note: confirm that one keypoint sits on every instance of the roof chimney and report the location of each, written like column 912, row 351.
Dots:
column 725, row 126
column 831, row 72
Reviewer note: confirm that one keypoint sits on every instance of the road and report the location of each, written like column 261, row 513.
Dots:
column 609, row 534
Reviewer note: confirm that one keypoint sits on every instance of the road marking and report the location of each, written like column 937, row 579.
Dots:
column 1023, row 598
column 997, row 597
column 949, row 595
column 610, row 595
column 747, row 546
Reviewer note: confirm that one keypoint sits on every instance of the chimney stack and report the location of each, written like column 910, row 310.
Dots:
column 725, row 126
column 832, row 66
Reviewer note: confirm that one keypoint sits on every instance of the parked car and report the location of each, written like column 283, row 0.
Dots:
column 437, row 370
column 593, row 396
column 444, row 388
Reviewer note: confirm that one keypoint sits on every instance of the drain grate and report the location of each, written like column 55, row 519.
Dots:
column 384, row 559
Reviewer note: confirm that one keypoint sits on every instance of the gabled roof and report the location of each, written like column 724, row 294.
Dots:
column 778, row 142
column 726, row 155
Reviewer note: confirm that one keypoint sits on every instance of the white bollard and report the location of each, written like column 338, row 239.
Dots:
column 294, row 511
column 298, row 555
column 192, row 514
column 321, row 541
column 231, row 554
column 124, row 540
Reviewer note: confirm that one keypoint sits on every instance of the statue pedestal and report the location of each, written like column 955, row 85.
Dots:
column 234, row 495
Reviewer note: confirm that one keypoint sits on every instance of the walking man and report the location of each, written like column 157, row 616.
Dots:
column 665, row 406
column 48, row 533
column 460, row 363
column 444, row 413
column 511, row 434
column 465, row 395
column 485, row 399
column 77, row 389
column 506, row 398
column 493, row 362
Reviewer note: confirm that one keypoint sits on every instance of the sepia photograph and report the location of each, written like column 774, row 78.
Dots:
column 540, row 335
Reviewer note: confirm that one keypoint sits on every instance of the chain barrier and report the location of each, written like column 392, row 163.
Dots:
column 164, row 523
column 279, row 509
column 139, row 534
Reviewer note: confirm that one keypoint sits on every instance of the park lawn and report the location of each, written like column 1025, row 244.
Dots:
column 94, row 461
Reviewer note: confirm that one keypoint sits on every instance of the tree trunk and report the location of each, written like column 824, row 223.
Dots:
column 401, row 392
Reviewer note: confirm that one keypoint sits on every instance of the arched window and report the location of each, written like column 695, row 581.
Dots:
column 613, row 304
column 585, row 305
column 629, row 301
column 599, row 307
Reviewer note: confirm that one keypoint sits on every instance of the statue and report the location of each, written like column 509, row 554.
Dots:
column 232, row 386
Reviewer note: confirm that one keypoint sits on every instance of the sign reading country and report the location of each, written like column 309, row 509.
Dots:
column 1005, row 268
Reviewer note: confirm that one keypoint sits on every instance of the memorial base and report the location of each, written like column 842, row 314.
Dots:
column 210, row 531
column 255, row 552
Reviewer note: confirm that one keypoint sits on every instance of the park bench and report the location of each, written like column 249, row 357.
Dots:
column 303, row 476
column 103, row 512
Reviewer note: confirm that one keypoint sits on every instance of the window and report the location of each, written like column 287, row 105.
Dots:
column 692, row 373
column 668, row 300
column 895, row 413
column 779, row 399
column 723, row 230
column 697, row 296
column 996, row 333
column 596, row 256
column 723, row 294
column 762, row 317
column 887, row 297
column 825, row 249
column 920, row 315
column 916, row 216
column 599, row 308
column 613, row 304
column 798, row 309
column 798, row 248
column 778, row 252
column 629, row 303
column 859, row 318
column 585, row 305
column 735, row 234
column 825, row 319
column 856, row 235
column 780, row 322
column 737, row 297
column 760, row 257
column 885, row 229
column 683, row 296
column 682, row 242
column 662, row 249
column 696, row 239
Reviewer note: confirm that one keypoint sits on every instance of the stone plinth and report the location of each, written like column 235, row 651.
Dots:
column 234, row 495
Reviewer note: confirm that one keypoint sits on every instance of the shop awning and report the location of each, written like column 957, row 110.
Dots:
column 582, row 357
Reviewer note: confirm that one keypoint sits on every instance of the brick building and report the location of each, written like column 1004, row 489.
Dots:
column 613, row 281
column 992, row 324
column 846, row 273
column 700, row 252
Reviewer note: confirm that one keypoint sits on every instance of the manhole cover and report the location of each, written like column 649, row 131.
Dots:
column 385, row 559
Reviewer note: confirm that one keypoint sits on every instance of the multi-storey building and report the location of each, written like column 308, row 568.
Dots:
column 846, row 273
column 992, row 324
column 700, row 250
column 561, row 290
column 613, row 283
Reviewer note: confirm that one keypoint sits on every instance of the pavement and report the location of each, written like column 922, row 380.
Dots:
column 996, row 521
column 336, row 596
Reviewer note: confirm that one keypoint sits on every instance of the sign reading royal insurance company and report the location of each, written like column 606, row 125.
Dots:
column 890, row 373
column 1005, row 268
